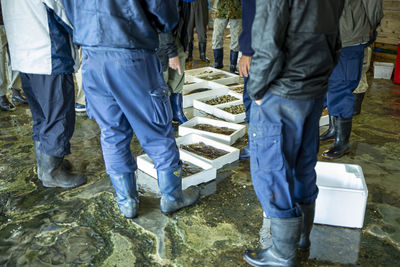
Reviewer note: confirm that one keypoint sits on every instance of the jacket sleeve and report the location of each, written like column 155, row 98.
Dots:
column 167, row 44
column 163, row 13
column 248, row 12
column 374, row 11
column 268, row 37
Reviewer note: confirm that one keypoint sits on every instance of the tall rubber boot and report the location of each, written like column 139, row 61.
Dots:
column 189, row 53
column 265, row 233
column 341, row 145
column 202, row 50
column 55, row 174
column 218, row 58
column 37, row 155
column 17, row 96
column 234, row 57
column 177, row 108
column 127, row 194
column 308, row 212
column 5, row 105
column 330, row 133
column 285, row 239
column 358, row 99
column 244, row 152
column 172, row 196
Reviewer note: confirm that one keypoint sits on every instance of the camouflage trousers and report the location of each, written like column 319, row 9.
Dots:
column 363, row 85
column 218, row 33
column 5, row 67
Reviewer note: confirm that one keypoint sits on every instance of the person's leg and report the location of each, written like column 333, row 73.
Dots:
column 245, row 152
column 201, row 21
column 362, row 87
column 143, row 98
column 51, row 99
column 190, row 31
column 235, row 30
column 275, row 133
column 5, row 104
column 175, row 82
column 305, row 188
column 218, row 41
column 340, row 99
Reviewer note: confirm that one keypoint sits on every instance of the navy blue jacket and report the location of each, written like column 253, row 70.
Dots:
column 130, row 24
column 248, row 13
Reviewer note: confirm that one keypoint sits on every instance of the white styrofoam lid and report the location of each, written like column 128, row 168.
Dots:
column 339, row 175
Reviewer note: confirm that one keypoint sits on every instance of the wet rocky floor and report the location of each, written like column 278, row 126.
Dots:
column 83, row 226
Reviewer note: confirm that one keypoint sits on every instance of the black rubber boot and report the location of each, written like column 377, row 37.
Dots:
column 53, row 172
column 17, row 96
column 37, row 155
column 308, row 212
column 189, row 52
column 285, row 239
column 234, row 57
column 5, row 105
column 172, row 196
column 218, row 58
column 202, row 50
column 358, row 99
column 244, row 152
column 330, row 133
column 265, row 233
column 341, row 145
column 127, row 194
column 177, row 108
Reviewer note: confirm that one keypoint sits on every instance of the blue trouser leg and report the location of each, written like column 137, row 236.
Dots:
column 51, row 99
column 343, row 81
column 283, row 136
column 246, row 100
column 125, row 90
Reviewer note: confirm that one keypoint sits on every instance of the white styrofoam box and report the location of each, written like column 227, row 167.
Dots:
column 233, row 92
column 200, row 71
column 324, row 120
column 233, row 153
column 187, row 128
column 383, row 70
column 192, row 80
column 199, row 103
column 146, row 165
column 342, row 197
column 218, row 111
column 216, row 89
column 210, row 77
column 231, row 80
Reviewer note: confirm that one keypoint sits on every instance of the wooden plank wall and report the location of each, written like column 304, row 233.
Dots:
column 388, row 32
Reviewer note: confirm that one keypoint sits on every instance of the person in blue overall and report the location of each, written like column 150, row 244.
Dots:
column 296, row 45
column 126, row 92
column 357, row 27
column 248, row 13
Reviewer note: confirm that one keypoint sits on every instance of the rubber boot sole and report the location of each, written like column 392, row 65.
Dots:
column 344, row 153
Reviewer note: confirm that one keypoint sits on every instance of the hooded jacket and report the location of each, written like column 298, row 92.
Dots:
column 129, row 24
column 296, row 44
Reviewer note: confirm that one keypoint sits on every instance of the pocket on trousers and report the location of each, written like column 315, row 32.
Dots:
column 267, row 140
column 162, row 111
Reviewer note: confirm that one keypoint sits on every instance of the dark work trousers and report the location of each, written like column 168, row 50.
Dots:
column 283, row 137
column 125, row 91
column 246, row 100
column 199, row 19
column 344, row 80
column 51, row 99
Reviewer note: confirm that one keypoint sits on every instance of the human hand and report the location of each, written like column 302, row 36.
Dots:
column 258, row 102
column 175, row 64
column 244, row 66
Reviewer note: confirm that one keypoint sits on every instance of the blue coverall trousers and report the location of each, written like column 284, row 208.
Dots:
column 51, row 99
column 344, row 80
column 283, row 136
column 125, row 92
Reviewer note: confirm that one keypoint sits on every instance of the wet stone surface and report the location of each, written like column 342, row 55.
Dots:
column 83, row 226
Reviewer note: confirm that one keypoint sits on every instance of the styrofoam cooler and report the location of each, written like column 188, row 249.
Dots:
column 230, row 80
column 231, row 156
column 146, row 165
column 192, row 80
column 383, row 70
column 343, row 194
column 200, row 71
column 216, row 89
column 187, row 128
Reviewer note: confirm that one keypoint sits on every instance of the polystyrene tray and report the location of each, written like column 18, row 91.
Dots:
column 216, row 89
column 200, row 71
column 231, row 80
column 192, row 80
column 231, row 156
column 146, row 165
column 187, row 128
column 342, row 197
